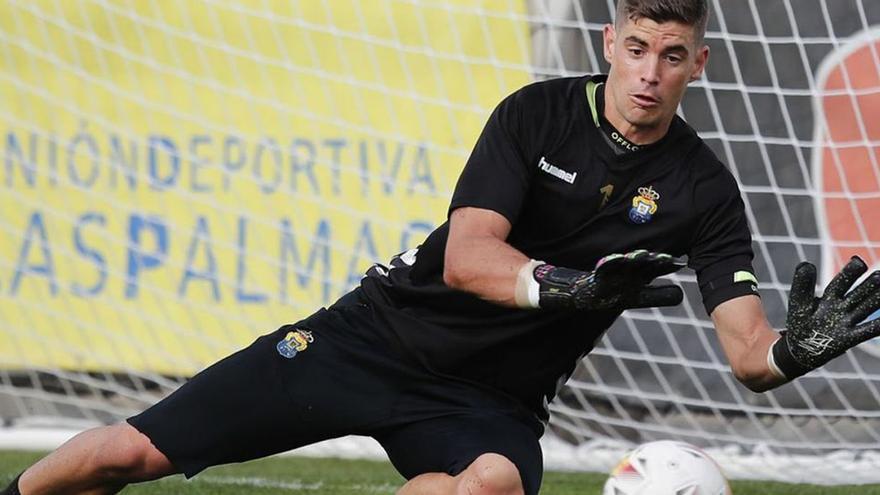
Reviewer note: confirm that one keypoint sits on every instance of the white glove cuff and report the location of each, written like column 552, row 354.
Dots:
column 527, row 292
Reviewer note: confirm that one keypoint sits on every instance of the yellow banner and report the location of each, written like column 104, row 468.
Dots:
column 179, row 177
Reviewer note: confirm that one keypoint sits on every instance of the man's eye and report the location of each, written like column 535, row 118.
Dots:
column 635, row 51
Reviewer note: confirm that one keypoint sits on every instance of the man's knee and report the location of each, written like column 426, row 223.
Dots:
column 126, row 454
column 491, row 474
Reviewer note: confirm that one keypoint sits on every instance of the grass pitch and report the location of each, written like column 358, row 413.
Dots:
column 299, row 475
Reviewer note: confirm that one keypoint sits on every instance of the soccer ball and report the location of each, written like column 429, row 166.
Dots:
column 666, row 467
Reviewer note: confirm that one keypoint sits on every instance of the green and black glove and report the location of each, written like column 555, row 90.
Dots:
column 819, row 329
column 619, row 281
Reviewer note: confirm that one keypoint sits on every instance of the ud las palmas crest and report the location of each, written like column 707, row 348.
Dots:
column 294, row 342
column 644, row 205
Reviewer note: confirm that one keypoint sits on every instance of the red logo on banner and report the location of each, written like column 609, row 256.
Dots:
column 848, row 162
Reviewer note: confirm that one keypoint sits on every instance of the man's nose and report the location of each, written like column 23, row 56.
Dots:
column 651, row 70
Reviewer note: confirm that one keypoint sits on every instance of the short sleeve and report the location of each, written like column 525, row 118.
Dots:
column 721, row 249
column 496, row 176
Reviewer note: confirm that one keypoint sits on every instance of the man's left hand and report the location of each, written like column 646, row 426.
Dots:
column 819, row 329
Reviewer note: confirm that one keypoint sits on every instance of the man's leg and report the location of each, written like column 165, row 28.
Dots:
column 489, row 474
column 264, row 399
column 235, row 410
column 98, row 461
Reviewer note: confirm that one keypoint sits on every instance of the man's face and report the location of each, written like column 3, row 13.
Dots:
column 651, row 66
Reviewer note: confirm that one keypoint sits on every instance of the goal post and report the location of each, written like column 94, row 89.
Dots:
column 178, row 178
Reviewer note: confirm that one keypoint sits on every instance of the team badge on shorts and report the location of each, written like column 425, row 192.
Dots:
column 294, row 342
column 644, row 205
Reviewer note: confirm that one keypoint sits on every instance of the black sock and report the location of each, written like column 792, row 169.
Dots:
column 12, row 489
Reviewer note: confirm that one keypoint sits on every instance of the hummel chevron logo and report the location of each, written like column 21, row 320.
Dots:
column 557, row 172
column 816, row 344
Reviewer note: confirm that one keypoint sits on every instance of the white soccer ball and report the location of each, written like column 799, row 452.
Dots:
column 667, row 467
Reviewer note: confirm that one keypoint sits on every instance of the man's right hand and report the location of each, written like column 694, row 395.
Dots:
column 619, row 281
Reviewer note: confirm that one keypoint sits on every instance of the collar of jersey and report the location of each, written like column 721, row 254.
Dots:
column 648, row 152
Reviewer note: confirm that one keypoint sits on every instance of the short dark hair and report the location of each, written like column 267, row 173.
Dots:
column 689, row 12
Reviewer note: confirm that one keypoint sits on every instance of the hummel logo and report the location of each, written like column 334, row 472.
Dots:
column 556, row 171
column 816, row 344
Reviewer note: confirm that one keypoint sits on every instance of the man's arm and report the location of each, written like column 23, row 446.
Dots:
column 818, row 329
column 746, row 337
column 478, row 258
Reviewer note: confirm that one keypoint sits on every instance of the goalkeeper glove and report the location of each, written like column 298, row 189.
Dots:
column 619, row 281
column 819, row 329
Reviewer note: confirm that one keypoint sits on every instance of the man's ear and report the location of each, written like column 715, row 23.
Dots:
column 608, row 35
column 700, row 63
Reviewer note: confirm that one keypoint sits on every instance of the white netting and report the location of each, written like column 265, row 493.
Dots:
column 179, row 177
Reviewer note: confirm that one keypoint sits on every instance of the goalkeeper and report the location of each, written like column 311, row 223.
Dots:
column 449, row 355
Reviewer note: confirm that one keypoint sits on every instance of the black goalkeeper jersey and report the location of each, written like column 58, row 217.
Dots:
column 543, row 163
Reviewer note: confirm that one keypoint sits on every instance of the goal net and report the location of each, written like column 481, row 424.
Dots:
column 178, row 178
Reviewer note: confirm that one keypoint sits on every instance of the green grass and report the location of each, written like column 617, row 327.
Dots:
column 293, row 475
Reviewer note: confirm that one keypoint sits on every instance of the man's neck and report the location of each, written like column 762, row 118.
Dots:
column 638, row 135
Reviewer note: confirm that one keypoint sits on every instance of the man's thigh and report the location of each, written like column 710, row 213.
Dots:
column 450, row 443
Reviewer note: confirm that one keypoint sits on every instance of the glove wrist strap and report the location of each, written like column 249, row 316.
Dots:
column 771, row 362
column 785, row 361
column 558, row 286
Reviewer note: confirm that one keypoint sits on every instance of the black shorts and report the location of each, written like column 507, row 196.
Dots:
column 328, row 376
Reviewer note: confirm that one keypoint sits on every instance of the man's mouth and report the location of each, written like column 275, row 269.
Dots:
column 644, row 100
